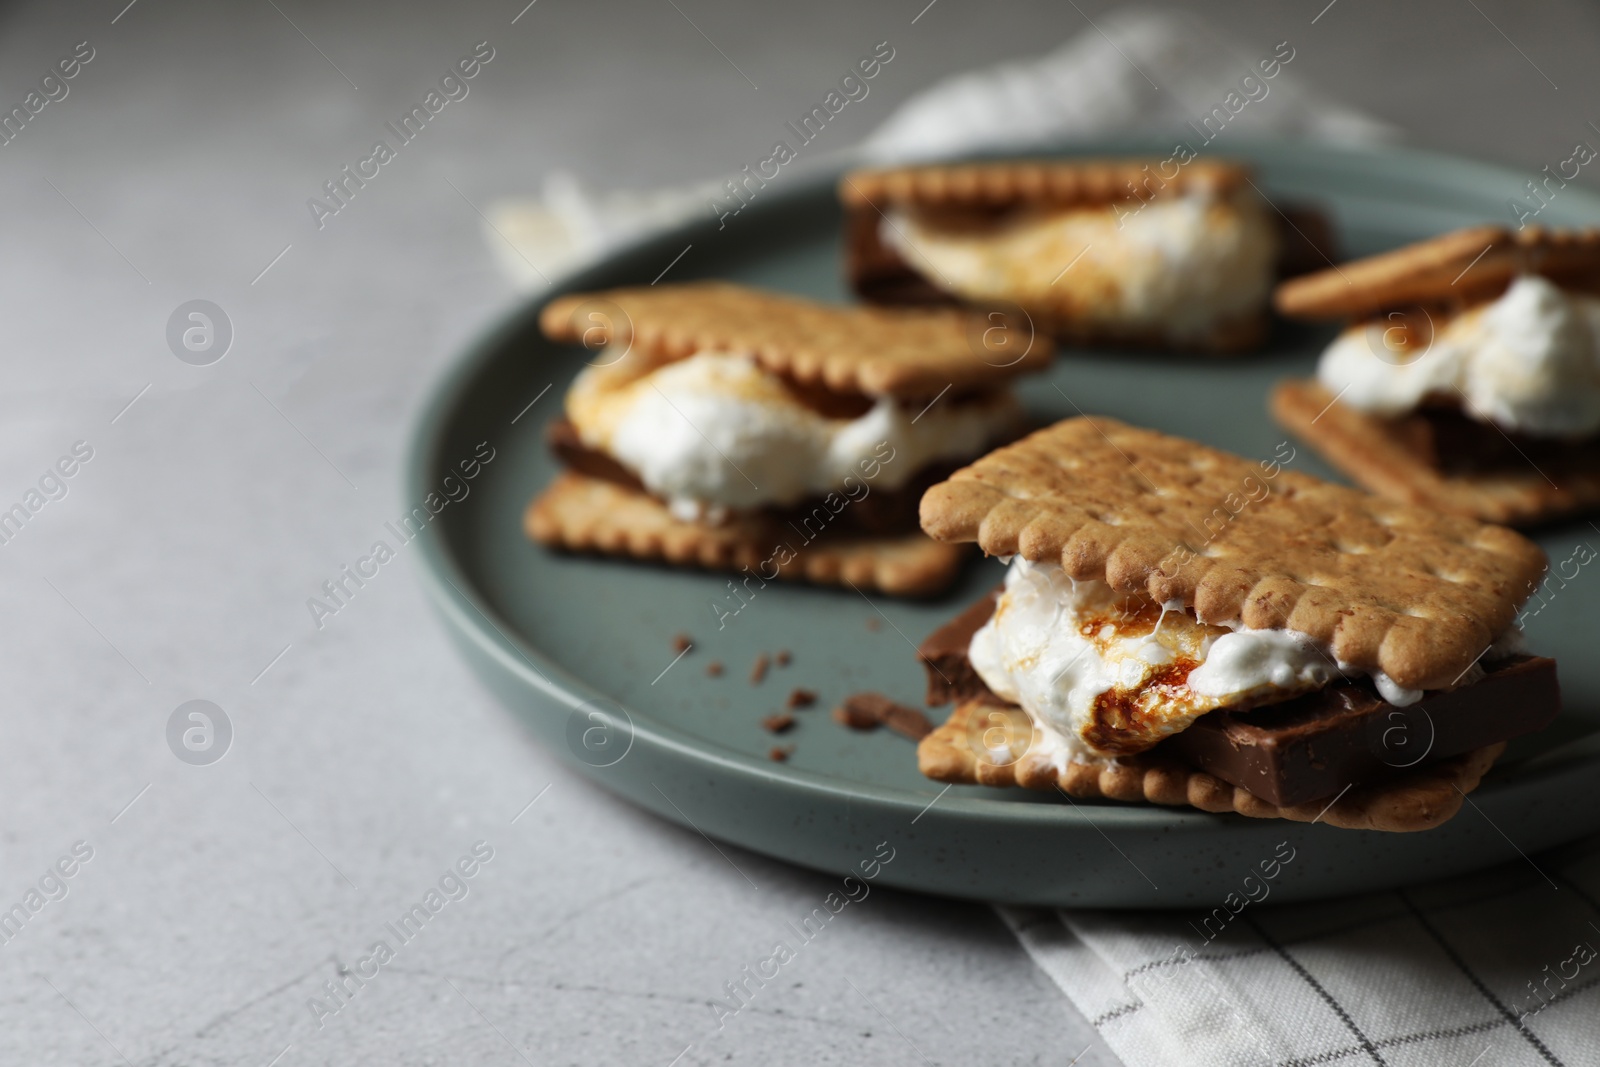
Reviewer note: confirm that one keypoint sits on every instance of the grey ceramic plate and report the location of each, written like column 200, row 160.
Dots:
column 581, row 649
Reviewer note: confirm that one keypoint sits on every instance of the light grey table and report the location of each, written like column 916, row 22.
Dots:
column 220, row 899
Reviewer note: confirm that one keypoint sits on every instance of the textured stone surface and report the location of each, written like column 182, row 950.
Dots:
column 366, row 760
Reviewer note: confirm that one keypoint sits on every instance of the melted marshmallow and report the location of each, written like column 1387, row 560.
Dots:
column 716, row 431
column 1180, row 266
column 1528, row 361
column 1103, row 675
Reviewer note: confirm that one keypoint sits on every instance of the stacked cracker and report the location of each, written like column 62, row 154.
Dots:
column 1151, row 253
column 819, row 364
column 1409, row 305
column 1382, row 586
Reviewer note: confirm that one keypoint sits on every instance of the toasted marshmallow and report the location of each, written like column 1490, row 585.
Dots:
column 717, row 432
column 1103, row 675
column 1528, row 361
column 1177, row 266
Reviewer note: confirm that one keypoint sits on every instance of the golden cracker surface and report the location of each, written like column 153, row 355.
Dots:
column 583, row 514
column 1462, row 266
column 1387, row 586
column 1417, row 799
column 875, row 351
column 1366, row 449
column 1054, row 182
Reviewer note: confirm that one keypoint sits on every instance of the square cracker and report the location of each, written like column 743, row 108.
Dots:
column 963, row 750
column 879, row 273
column 1054, row 183
column 1384, row 585
column 1370, row 451
column 875, row 351
column 1456, row 268
column 584, row 514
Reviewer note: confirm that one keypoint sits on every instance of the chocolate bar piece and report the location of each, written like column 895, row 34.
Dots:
column 561, row 436
column 876, row 271
column 1444, row 437
column 944, row 654
column 1314, row 745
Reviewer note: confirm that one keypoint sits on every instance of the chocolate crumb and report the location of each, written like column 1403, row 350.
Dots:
column 759, row 671
column 858, row 712
column 874, row 623
column 682, row 643
column 868, row 711
column 800, row 698
column 778, row 722
column 779, row 753
column 714, row 668
column 907, row 722
column 783, row 658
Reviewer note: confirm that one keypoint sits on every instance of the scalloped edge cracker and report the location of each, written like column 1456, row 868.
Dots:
column 898, row 352
column 583, row 514
column 1058, row 183
column 1386, row 586
column 879, row 274
column 1365, row 448
column 1456, row 268
column 1416, row 799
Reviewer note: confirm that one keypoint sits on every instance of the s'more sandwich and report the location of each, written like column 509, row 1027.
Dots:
column 1182, row 626
column 728, row 428
column 1467, row 378
column 1166, row 253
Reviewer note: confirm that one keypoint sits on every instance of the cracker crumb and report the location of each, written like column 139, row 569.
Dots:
column 682, row 643
column 868, row 711
column 874, row 623
column 714, row 668
column 783, row 658
column 759, row 672
column 780, row 753
column 778, row 722
column 800, row 698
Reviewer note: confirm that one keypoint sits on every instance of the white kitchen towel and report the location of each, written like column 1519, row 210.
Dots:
column 1499, row 969
column 1134, row 71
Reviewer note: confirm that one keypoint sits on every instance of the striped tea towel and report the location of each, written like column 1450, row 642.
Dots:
column 1496, row 969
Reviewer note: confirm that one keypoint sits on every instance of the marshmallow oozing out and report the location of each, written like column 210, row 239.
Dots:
column 1528, row 361
column 1101, row 674
column 1180, row 265
column 717, row 432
